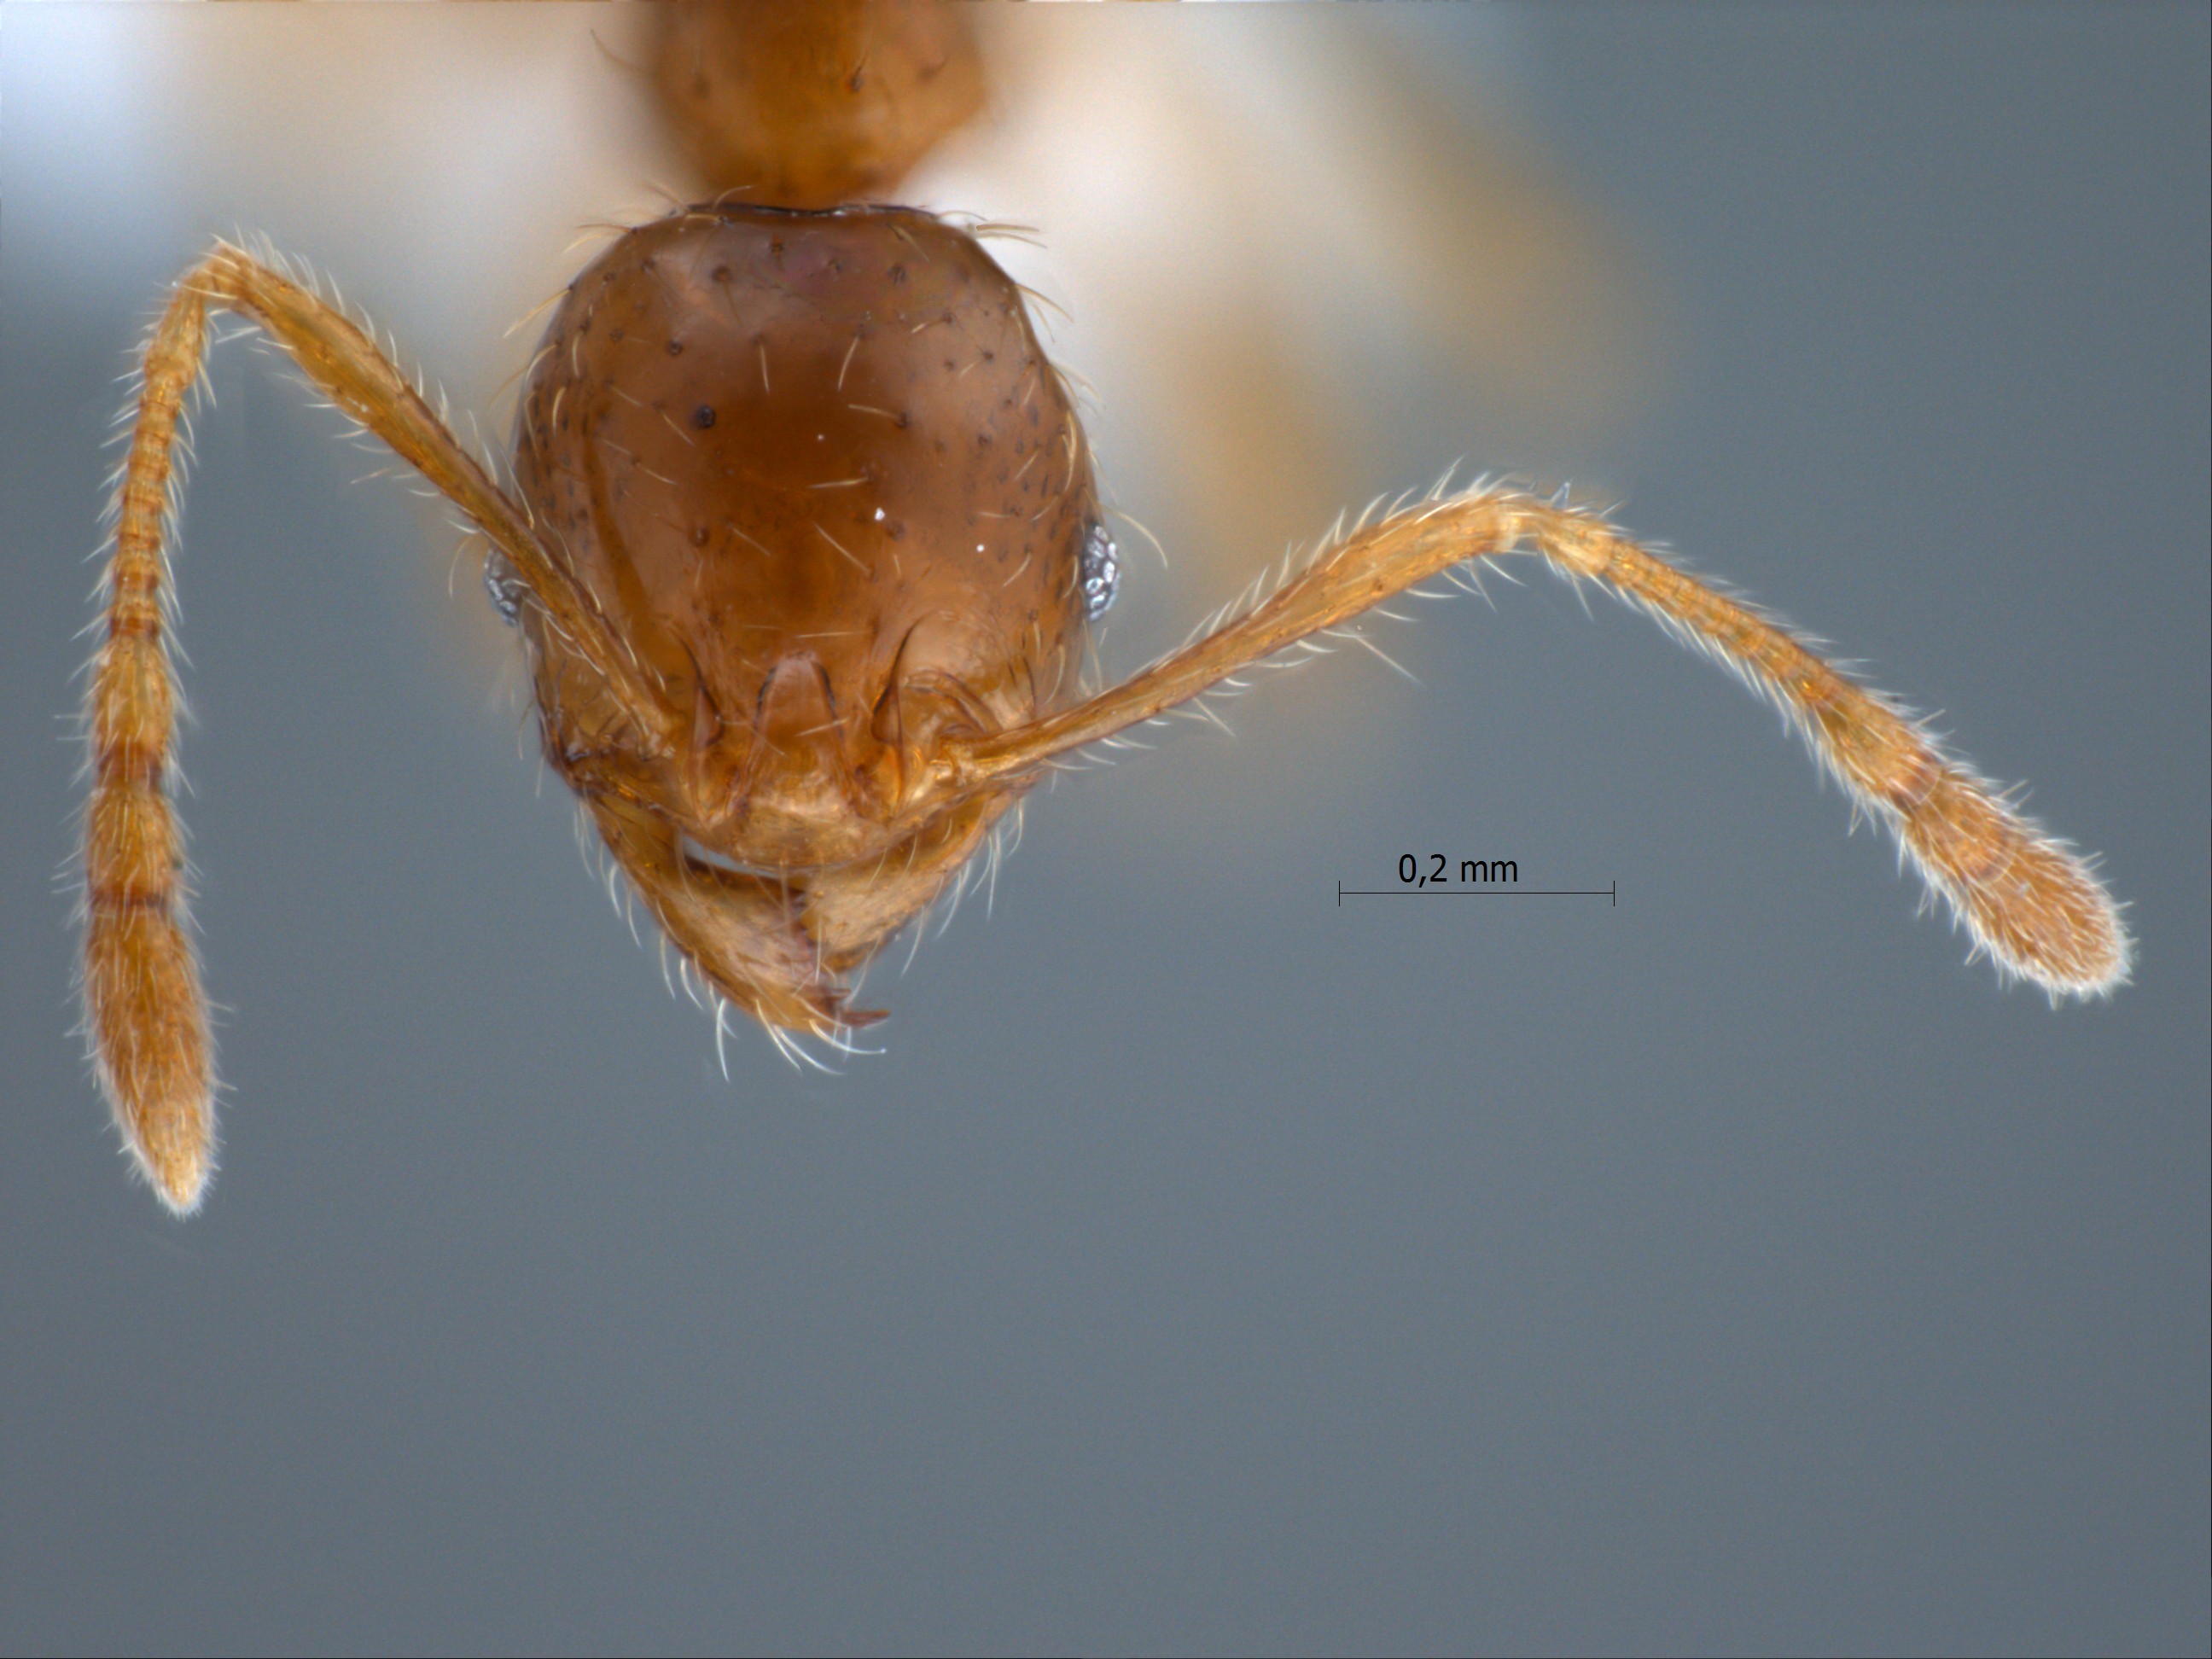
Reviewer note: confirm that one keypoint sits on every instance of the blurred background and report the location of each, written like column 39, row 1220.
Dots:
column 1205, row 1266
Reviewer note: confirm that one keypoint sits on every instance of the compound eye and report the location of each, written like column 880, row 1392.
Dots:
column 506, row 589
column 1101, row 572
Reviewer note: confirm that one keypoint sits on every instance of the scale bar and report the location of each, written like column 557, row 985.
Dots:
column 1611, row 893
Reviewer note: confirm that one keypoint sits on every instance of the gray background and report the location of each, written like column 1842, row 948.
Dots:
column 1205, row 1266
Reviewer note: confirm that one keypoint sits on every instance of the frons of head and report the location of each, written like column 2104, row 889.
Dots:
column 815, row 470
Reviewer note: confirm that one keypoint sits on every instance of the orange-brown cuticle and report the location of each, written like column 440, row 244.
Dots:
column 133, row 709
column 822, row 452
column 130, row 845
column 1914, row 779
column 815, row 105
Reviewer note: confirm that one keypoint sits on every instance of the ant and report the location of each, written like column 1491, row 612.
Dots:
column 803, row 546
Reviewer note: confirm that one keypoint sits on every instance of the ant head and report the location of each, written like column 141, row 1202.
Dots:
column 816, row 470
